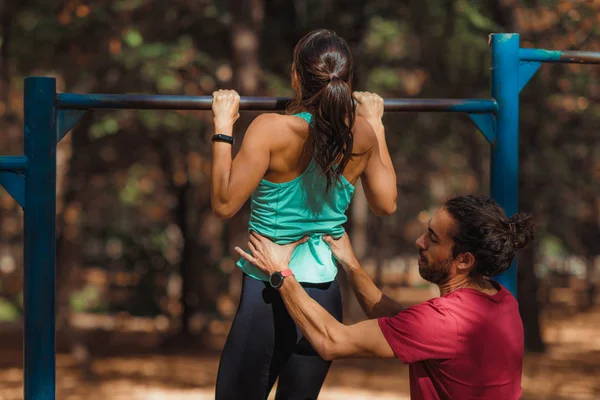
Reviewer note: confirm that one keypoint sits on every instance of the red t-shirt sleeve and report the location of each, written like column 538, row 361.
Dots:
column 422, row 332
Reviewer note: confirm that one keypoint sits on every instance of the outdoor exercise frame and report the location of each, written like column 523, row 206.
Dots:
column 31, row 179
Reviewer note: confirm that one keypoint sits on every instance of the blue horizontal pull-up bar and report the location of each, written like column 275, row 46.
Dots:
column 442, row 105
column 174, row 102
column 13, row 163
column 577, row 57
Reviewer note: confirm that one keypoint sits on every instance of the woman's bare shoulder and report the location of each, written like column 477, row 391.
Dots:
column 278, row 129
column 268, row 118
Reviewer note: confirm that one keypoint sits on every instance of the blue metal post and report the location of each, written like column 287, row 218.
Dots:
column 40, row 238
column 504, row 169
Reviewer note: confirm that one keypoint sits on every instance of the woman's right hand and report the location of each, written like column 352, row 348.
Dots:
column 225, row 107
column 370, row 106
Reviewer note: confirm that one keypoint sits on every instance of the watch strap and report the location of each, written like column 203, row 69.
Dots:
column 286, row 272
column 218, row 137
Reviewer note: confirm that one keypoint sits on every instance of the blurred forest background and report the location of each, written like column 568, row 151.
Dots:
column 146, row 282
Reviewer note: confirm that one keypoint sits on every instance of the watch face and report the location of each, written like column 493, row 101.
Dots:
column 276, row 279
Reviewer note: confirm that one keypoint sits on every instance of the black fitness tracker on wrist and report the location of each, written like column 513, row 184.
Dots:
column 223, row 138
column 276, row 278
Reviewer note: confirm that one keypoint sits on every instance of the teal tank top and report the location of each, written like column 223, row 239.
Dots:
column 286, row 212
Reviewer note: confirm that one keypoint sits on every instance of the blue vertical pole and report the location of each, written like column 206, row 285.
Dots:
column 504, row 169
column 40, row 238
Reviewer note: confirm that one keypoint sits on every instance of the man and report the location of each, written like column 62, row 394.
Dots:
column 465, row 344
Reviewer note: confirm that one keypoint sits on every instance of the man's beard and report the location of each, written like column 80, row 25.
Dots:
column 435, row 272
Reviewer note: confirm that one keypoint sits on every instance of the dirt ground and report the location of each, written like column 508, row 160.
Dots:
column 134, row 369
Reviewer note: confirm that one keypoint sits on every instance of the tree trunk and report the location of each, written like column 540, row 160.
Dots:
column 6, row 19
column 248, row 16
column 70, row 177
column 186, row 217
column 591, row 287
column 189, row 299
column 527, row 280
column 528, row 302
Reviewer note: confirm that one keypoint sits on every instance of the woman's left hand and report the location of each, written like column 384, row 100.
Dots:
column 225, row 107
column 268, row 256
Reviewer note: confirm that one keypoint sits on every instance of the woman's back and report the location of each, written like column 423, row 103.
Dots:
column 293, row 200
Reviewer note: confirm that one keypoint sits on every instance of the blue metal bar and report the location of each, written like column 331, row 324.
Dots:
column 527, row 70
column 40, row 239
column 474, row 106
column 504, row 169
column 486, row 123
column 66, row 120
column 164, row 102
column 169, row 102
column 579, row 57
column 13, row 163
column 14, row 184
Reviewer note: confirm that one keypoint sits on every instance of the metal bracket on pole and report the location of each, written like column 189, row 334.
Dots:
column 527, row 70
column 66, row 120
column 486, row 123
column 14, row 183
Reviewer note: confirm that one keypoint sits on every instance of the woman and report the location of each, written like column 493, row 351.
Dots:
column 300, row 171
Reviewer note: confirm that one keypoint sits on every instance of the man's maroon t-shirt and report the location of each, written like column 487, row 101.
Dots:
column 464, row 345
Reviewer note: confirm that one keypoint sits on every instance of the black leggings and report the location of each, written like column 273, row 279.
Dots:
column 264, row 344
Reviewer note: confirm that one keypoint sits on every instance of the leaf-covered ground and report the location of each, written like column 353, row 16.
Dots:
column 123, row 369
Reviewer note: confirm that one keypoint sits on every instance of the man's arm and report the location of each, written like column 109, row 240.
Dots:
column 373, row 301
column 330, row 338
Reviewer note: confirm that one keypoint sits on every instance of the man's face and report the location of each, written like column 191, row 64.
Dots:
column 436, row 263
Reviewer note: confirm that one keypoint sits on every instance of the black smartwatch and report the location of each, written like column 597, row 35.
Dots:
column 223, row 138
column 276, row 278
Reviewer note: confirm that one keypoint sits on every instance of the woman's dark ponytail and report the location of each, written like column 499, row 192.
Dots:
column 331, row 131
column 323, row 69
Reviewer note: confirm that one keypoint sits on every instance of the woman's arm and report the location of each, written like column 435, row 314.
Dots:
column 232, row 181
column 379, row 176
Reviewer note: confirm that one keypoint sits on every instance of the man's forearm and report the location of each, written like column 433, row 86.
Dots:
column 372, row 300
column 322, row 330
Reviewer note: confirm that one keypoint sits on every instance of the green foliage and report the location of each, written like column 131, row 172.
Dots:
column 133, row 38
column 383, row 79
column 108, row 126
column 473, row 11
column 130, row 193
column 88, row 299
column 8, row 312
column 127, row 5
column 387, row 39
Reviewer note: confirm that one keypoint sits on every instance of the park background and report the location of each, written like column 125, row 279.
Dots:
column 146, row 282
